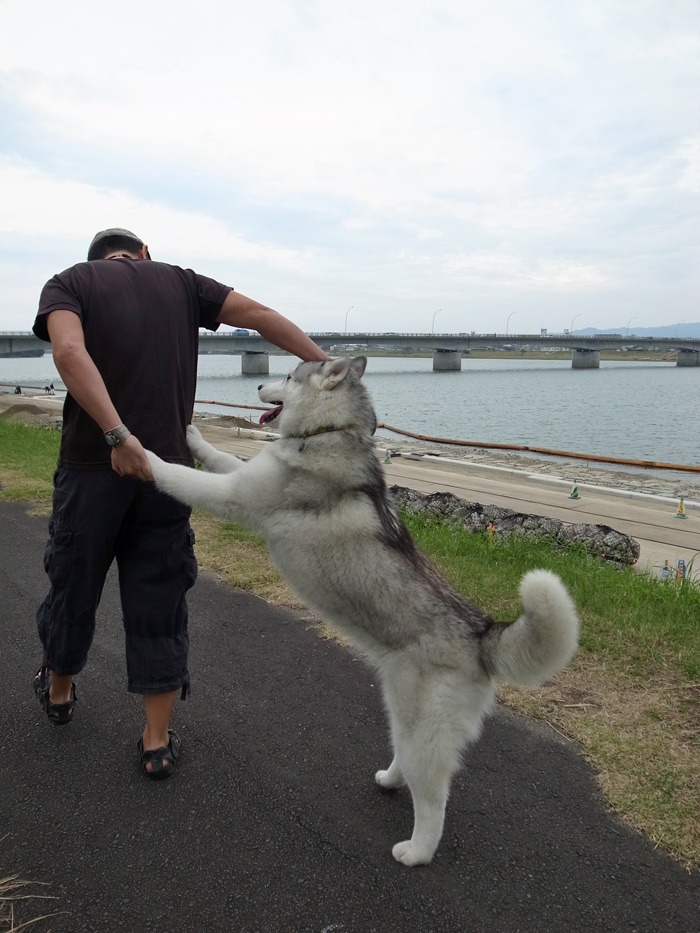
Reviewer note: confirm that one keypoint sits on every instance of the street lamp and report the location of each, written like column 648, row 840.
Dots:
column 628, row 325
column 433, row 330
column 508, row 320
column 346, row 317
column 571, row 329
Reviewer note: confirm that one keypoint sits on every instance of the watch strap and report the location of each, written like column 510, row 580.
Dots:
column 116, row 436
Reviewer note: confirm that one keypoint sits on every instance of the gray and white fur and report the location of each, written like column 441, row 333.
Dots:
column 318, row 496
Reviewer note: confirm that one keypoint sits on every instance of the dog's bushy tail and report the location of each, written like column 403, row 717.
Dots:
column 541, row 641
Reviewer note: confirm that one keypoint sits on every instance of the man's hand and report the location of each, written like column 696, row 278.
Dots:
column 129, row 459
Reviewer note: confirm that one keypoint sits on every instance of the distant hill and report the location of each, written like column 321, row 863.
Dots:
column 668, row 330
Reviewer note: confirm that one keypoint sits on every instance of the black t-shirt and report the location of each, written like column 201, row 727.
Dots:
column 141, row 322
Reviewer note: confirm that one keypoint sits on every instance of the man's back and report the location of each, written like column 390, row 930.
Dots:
column 140, row 321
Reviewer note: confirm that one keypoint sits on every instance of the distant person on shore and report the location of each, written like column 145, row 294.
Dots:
column 18, row 390
column 124, row 336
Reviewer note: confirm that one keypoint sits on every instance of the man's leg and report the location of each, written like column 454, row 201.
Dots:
column 87, row 511
column 156, row 568
column 158, row 708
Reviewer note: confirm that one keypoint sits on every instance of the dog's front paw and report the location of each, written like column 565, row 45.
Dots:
column 409, row 854
column 194, row 438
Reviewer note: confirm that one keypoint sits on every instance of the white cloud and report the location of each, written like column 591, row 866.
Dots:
column 386, row 155
column 689, row 157
column 36, row 203
column 513, row 271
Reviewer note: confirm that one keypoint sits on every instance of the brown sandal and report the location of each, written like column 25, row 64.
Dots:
column 60, row 714
column 161, row 760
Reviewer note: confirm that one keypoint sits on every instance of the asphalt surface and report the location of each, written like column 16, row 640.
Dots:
column 272, row 821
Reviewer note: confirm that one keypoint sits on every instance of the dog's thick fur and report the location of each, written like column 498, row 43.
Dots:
column 319, row 498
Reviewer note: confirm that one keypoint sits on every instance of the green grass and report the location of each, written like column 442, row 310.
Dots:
column 628, row 618
column 27, row 460
column 631, row 696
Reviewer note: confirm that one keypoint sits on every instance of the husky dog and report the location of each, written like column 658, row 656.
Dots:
column 318, row 496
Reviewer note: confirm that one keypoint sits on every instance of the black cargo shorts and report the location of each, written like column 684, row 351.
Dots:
column 98, row 517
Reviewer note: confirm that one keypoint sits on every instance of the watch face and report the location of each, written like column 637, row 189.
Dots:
column 117, row 436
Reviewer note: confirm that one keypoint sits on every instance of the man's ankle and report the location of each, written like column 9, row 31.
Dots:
column 158, row 709
column 60, row 687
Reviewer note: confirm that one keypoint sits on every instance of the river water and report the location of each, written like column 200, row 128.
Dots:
column 636, row 410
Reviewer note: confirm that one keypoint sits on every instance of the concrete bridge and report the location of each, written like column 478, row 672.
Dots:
column 448, row 349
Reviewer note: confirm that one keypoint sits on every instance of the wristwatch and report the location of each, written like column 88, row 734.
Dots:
column 117, row 436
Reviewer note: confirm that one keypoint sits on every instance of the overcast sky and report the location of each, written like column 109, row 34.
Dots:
column 392, row 165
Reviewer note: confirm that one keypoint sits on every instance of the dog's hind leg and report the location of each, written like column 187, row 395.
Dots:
column 392, row 777
column 425, row 753
column 433, row 717
column 428, row 772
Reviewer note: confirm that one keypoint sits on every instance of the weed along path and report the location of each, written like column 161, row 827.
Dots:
column 272, row 821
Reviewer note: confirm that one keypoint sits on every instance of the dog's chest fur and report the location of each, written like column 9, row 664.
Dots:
column 335, row 502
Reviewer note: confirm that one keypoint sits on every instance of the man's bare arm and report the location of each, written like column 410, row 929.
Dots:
column 239, row 311
column 84, row 382
column 77, row 369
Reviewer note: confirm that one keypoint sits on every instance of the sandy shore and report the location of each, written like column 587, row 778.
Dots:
column 648, row 481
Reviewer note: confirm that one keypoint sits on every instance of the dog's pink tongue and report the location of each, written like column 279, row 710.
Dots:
column 269, row 415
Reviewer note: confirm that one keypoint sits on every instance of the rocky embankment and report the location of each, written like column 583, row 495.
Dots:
column 599, row 540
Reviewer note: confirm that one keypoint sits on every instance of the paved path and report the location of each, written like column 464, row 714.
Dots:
column 272, row 822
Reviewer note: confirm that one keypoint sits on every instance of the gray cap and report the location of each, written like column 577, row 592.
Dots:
column 112, row 231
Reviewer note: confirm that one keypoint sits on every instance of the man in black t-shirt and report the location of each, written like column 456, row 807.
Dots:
column 124, row 336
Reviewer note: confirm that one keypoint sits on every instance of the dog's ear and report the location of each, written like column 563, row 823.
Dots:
column 359, row 364
column 334, row 372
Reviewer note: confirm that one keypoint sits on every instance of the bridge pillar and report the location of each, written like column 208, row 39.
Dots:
column 447, row 360
column 255, row 363
column 585, row 359
column 687, row 357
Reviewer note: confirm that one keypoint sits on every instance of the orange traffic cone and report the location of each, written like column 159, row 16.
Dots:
column 680, row 512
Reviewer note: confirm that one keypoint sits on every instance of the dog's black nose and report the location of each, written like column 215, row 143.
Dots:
column 260, row 386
